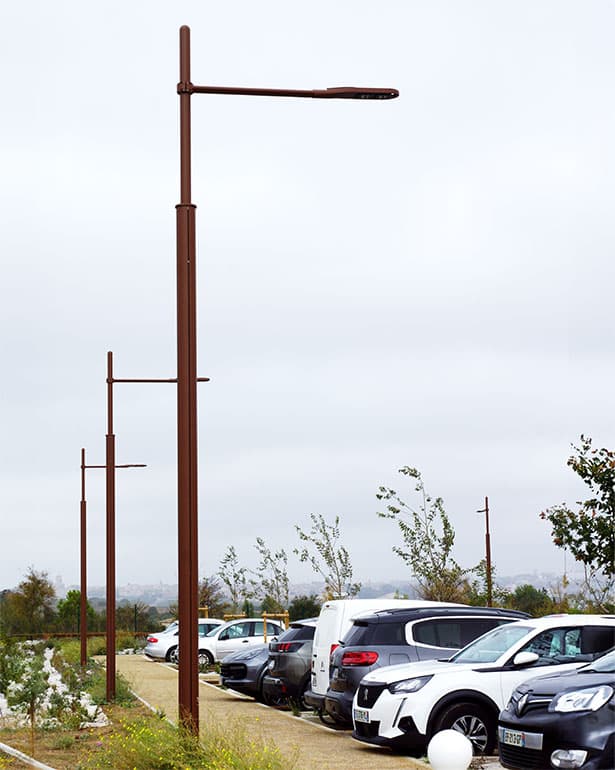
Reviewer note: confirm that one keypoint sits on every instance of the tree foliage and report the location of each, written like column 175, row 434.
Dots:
column 29, row 609
column 428, row 538
column 69, row 612
column 589, row 531
column 133, row 616
column 234, row 578
column 211, row 596
column 271, row 577
column 304, row 606
column 327, row 557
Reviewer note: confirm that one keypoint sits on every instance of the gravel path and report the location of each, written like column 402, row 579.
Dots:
column 316, row 746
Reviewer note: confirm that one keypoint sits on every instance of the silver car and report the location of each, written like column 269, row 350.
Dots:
column 162, row 645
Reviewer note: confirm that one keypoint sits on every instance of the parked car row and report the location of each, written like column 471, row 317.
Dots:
column 540, row 690
column 216, row 638
column 277, row 673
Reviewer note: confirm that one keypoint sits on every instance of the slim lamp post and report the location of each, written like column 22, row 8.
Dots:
column 186, row 366
column 485, row 510
column 83, row 561
column 110, row 467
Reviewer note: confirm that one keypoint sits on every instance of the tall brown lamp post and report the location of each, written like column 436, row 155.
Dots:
column 485, row 510
column 83, row 616
column 186, row 367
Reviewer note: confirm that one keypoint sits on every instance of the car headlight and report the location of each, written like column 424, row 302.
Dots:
column 410, row 685
column 587, row 699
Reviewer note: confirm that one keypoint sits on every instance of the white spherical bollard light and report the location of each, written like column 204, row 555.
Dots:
column 449, row 750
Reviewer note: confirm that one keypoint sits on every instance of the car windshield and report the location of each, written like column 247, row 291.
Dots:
column 489, row 647
column 603, row 665
column 213, row 631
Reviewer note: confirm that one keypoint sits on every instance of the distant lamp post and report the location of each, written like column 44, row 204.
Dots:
column 485, row 510
column 110, row 467
column 83, row 599
column 187, row 514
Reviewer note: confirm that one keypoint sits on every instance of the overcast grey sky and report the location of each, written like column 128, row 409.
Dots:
column 422, row 282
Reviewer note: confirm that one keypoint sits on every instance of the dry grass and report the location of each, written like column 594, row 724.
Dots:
column 64, row 749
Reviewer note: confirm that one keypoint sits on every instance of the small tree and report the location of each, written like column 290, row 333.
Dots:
column 428, row 538
column 31, row 604
column 327, row 558
column 534, row 601
column 303, row 607
column 69, row 612
column 271, row 576
column 132, row 616
column 475, row 590
column 210, row 596
column 27, row 694
column 234, row 578
column 589, row 532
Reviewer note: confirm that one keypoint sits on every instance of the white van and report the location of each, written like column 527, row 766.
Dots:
column 335, row 619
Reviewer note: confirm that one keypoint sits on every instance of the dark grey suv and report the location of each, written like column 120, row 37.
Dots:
column 389, row 637
column 290, row 657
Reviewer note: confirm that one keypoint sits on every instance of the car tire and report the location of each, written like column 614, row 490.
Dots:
column 205, row 658
column 276, row 701
column 172, row 655
column 472, row 720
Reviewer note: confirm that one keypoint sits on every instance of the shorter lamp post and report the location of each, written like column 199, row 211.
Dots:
column 110, row 467
column 83, row 566
column 485, row 510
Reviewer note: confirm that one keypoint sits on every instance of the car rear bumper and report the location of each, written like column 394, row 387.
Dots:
column 314, row 700
column 339, row 707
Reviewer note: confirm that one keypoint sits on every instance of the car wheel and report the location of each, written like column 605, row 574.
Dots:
column 473, row 721
column 276, row 700
column 299, row 701
column 172, row 655
column 205, row 658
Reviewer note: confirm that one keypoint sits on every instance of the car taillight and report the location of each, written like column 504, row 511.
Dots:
column 288, row 646
column 152, row 640
column 359, row 658
column 333, row 649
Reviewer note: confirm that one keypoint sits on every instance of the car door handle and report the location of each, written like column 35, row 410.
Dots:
column 245, row 641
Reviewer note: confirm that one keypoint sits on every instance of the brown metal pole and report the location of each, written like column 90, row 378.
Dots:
column 187, row 414
column 83, row 630
column 110, row 494
column 488, row 554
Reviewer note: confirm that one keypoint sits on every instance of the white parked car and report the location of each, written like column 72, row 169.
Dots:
column 236, row 635
column 162, row 645
column 404, row 706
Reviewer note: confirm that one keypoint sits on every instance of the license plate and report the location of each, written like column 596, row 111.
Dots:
column 514, row 738
column 361, row 715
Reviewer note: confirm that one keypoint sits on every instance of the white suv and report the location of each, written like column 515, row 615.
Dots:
column 404, row 706
column 236, row 635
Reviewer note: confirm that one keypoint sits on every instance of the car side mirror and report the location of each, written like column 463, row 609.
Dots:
column 223, row 636
column 525, row 658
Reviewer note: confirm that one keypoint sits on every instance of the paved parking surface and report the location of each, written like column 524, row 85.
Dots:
column 316, row 746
